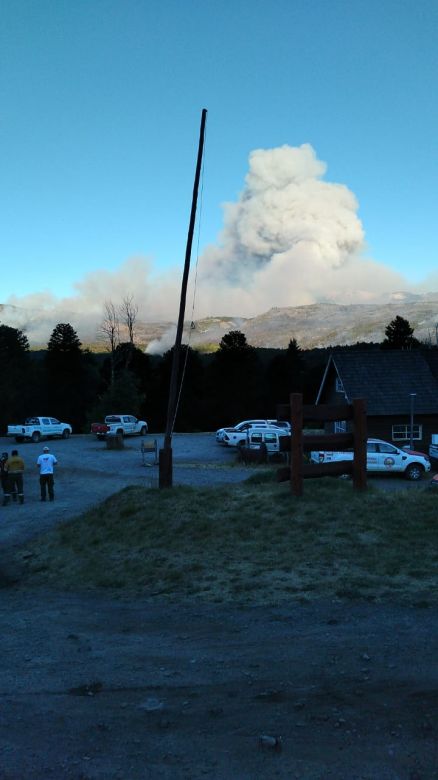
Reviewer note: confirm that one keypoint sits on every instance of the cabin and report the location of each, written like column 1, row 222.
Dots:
column 400, row 388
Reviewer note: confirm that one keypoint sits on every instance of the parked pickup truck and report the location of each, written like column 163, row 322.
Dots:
column 36, row 428
column 383, row 457
column 433, row 448
column 124, row 424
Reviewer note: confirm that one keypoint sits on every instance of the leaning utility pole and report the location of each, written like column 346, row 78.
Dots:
column 165, row 456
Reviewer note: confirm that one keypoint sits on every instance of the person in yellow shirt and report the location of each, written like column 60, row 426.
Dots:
column 15, row 469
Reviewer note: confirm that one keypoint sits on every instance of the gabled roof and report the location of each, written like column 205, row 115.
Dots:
column 386, row 378
column 431, row 358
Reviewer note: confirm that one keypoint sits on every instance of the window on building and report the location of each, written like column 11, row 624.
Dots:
column 340, row 426
column 403, row 432
column 339, row 386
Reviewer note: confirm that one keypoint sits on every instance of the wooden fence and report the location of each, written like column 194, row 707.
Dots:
column 333, row 442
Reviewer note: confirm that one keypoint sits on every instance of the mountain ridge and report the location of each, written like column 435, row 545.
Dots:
column 313, row 325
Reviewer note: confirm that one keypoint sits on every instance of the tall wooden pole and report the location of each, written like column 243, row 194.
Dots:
column 165, row 456
column 296, row 460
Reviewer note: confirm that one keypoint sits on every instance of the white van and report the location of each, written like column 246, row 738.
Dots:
column 223, row 437
column 270, row 437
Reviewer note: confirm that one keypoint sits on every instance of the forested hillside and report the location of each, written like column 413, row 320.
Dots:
column 67, row 381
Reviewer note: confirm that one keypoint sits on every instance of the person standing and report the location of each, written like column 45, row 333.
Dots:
column 4, row 475
column 15, row 468
column 46, row 463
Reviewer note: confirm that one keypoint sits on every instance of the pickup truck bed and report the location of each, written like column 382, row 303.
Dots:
column 123, row 424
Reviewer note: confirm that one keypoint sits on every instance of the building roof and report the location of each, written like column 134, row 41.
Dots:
column 386, row 378
column 431, row 357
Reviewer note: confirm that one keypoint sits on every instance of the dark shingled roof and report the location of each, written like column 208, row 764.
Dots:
column 386, row 378
column 431, row 358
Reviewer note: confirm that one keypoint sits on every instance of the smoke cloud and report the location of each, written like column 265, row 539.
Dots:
column 291, row 238
column 37, row 314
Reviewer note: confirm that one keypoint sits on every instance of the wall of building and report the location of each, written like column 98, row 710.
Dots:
column 382, row 427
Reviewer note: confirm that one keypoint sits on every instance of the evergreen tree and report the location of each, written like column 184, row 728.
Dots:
column 285, row 375
column 16, row 376
column 190, row 414
column 14, row 344
column 399, row 335
column 233, row 380
column 120, row 397
column 234, row 343
column 71, row 376
column 64, row 340
column 129, row 359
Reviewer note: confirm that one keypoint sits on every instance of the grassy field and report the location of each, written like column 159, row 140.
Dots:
column 249, row 543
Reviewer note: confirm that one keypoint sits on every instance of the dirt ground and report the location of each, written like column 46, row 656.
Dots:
column 96, row 687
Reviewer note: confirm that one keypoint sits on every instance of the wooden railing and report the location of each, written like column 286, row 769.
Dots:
column 299, row 443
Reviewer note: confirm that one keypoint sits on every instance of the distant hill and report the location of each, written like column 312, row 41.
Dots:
column 315, row 325
column 320, row 324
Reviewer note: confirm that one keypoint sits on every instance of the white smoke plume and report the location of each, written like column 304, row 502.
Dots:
column 161, row 345
column 37, row 314
column 290, row 239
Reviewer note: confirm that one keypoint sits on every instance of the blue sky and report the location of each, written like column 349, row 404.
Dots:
column 101, row 104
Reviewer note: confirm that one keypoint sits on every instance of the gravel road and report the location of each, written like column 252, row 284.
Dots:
column 88, row 472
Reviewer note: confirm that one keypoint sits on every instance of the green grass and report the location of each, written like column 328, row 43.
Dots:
column 252, row 543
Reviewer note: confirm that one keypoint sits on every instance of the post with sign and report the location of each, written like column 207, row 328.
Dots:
column 411, row 437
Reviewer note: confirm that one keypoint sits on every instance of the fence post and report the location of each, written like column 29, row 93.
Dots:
column 296, row 460
column 360, row 444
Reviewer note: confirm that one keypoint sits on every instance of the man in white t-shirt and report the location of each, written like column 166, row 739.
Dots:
column 46, row 462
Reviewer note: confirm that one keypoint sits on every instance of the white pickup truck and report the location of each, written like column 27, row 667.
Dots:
column 382, row 457
column 124, row 424
column 433, row 448
column 36, row 428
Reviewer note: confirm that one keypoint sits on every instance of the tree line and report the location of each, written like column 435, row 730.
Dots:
column 68, row 381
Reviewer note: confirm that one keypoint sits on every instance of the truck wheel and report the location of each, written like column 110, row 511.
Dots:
column 65, row 434
column 36, row 436
column 120, row 432
column 414, row 472
column 143, row 431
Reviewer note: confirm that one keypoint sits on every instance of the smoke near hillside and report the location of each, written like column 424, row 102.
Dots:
column 291, row 238
column 37, row 314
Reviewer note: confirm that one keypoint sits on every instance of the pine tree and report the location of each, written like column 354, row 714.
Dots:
column 16, row 376
column 71, row 376
column 234, row 378
column 64, row 339
column 399, row 335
